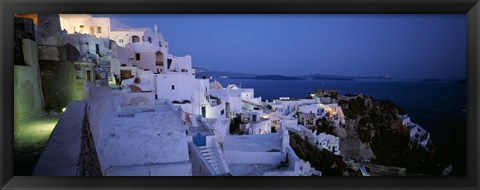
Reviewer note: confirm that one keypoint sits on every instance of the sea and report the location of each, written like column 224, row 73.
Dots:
column 437, row 106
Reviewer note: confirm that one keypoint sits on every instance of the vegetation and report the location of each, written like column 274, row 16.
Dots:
column 273, row 130
column 390, row 105
column 235, row 124
column 353, row 108
column 379, row 126
column 269, row 107
column 322, row 160
column 182, row 102
column 324, row 126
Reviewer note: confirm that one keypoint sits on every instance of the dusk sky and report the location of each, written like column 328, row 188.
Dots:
column 400, row 46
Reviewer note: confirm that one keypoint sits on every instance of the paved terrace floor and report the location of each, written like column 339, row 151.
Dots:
column 30, row 138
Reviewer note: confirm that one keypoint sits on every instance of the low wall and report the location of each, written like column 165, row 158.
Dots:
column 61, row 154
column 293, row 160
column 167, row 169
column 241, row 157
column 200, row 166
column 218, row 154
column 88, row 163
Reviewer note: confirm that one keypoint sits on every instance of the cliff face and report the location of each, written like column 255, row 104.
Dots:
column 372, row 130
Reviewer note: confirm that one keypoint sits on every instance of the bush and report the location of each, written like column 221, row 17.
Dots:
column 273, row 130
column 322, row 160
column 324, row 126
column 235, row 126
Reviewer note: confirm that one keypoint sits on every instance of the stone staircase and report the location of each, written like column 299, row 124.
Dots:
column 209, row 154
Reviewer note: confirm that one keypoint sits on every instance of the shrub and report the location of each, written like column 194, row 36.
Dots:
column 324, row 126
column 235, row 126
column 273, row 130
column 320, row 159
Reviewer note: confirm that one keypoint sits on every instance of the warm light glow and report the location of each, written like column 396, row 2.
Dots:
column 63, row 110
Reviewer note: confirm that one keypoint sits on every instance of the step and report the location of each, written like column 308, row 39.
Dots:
column 205, row 150
column 211, row 160
column 216, row 169
column 208, row 154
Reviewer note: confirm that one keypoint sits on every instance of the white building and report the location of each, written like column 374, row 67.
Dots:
column 237, row 100
column 419, row 136
column 334, row 113
column 85, row 24
column 312, row 108
column 406, row 120
column 262, row 126
column 329, row 142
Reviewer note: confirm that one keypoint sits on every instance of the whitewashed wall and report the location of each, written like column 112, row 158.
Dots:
column 240, row 157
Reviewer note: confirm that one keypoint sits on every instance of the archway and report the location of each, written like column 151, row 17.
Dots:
column 135, row 39
column 159, row 58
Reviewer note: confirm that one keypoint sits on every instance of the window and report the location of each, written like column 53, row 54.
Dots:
column 137, row 56
column 135, row 39
column 99, row 29
column 150, row 39
column 160, row 44
column 173, row 87
column 82, row 26
column 222, row 112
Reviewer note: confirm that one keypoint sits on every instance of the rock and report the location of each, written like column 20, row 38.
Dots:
column 341, row 132
column 134, row 88
column 447, row 170
column 354, row 166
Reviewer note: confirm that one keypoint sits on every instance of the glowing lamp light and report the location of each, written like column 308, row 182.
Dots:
column 64, row 109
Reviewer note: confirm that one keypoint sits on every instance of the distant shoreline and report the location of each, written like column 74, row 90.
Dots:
column 270, row 77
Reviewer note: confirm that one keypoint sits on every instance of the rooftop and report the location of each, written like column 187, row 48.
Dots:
column 254, row 169
column 253, row 143
column 142, row 136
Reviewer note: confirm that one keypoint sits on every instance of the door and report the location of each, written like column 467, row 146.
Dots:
column 204, row 111
column 89, row 73
column 97, row 48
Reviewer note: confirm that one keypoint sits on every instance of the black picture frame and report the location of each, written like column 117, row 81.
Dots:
column 471, row 8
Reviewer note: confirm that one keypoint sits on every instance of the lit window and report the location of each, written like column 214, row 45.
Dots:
column 99, row 29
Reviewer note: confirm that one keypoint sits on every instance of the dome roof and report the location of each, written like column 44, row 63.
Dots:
column 215, row 85
column 232, row 87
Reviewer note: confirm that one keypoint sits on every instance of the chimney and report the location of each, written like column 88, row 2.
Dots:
column 155, row 31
